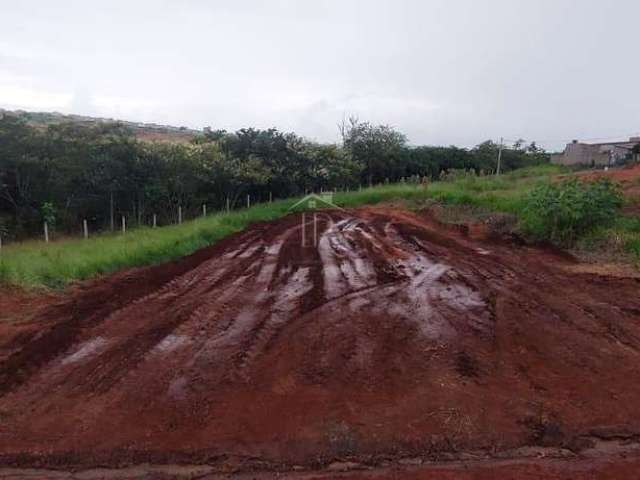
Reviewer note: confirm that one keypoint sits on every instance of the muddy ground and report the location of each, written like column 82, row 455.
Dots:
column 391, row 344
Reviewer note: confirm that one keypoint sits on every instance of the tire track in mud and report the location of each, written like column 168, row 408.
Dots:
column 94, row 304
column 264, row 348
column 122, row 355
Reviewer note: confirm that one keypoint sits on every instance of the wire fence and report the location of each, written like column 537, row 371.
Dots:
column 117, row 222
column 121, row 223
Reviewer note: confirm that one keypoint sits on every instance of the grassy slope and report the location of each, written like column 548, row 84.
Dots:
column 33, row 264
column 621, row 239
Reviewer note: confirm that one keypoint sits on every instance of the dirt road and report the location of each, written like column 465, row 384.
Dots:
column 392, row 340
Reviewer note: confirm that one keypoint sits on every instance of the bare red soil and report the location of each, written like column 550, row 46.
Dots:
column 392, row 341
column 625, row 175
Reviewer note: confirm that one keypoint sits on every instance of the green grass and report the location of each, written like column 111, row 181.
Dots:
column 621, row 239
column 36, row 264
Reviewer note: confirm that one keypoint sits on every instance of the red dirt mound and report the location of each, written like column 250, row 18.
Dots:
column 626, row 175
column 389, row 339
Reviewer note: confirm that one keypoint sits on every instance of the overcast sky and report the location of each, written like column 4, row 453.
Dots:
column 442, row 71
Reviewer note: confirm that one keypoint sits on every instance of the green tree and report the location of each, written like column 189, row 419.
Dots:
column 378, row 149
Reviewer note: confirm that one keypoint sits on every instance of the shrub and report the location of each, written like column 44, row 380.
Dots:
column 633, row 246
column 562, row 212
column 48, row 212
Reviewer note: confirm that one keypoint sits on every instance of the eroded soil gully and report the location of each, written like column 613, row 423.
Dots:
column 390, row 338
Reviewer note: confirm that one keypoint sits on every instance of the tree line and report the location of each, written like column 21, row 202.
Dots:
column 65, row 173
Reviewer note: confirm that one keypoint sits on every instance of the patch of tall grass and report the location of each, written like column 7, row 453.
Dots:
column 620, row 239
column 55, row 264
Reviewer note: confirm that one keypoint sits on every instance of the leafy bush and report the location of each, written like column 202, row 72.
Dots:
column 633, row 246
column 562, row 212
column 48, row 212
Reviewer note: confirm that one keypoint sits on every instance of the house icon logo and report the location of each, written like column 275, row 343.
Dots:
column 313, row 201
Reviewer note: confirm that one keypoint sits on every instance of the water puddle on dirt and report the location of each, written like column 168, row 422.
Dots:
column 442, row 297
column 171, row 342
column 333, row 281
column 89, row 348
column 299, row 283
column 249, row 251
column 345, row 268
column 433, row 294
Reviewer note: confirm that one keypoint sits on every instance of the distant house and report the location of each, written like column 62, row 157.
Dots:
column 602, row 154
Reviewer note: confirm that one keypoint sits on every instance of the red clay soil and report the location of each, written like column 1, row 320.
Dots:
column 16, row 308
column 529, row 469
column 627, row 174
column 391, row 342
column 16, row 304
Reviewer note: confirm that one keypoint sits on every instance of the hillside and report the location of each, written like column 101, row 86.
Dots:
column 142, row 131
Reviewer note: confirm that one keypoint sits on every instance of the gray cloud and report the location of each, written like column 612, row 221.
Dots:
column 443, row 71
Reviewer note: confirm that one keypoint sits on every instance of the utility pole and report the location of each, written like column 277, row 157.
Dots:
column 499, row 156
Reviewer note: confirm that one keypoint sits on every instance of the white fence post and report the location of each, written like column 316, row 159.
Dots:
column 155, row 220
column 248, row 200
column 124, row 225
column 179, row 214
column 85, row 229
column 46, row 232
column 270, row 197
column 228, row 205
column 204, row 209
